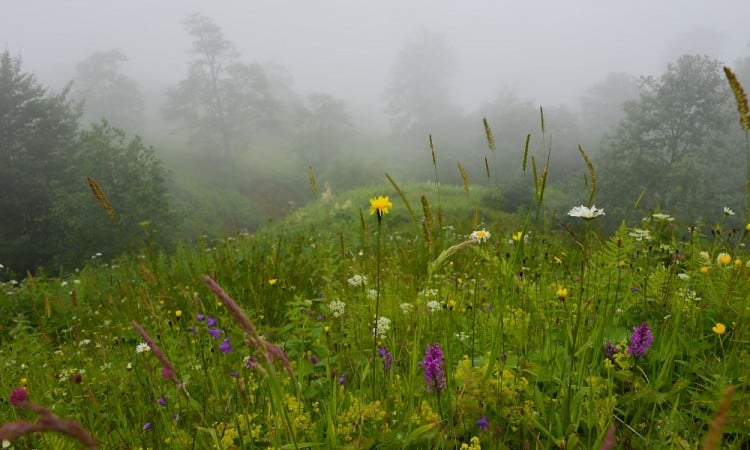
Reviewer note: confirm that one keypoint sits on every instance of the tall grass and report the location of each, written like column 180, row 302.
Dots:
column 276, row 348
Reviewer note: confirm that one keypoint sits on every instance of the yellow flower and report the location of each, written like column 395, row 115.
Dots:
column 178, row 313
column 23, row 381
column 558, row 260
column 704, row 269
column 452, row 304
column 517, row 236
column 562, row 292
column 723, row 258
column 738, row 262
column 273, row 281
column 380, row 204
column 747, row 227
column 327, row 329
column 719, row 328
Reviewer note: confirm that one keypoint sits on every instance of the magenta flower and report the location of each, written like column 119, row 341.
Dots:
column 434, row 375
column 640, row 340
column 18, row 395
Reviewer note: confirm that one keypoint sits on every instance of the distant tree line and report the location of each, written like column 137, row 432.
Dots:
column 49, row 218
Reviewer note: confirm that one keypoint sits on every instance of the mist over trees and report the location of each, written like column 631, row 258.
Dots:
column 239, row 137
column 106, row 92
column 677, row 144
column 222, row 98
column 50, row 218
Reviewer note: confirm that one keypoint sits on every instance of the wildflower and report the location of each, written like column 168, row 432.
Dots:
column 557, row 260
column 211, row 322
column 483, row 423
column 480, row 236
column 167, row 373
column 517, row 236
column 406, row 308
column 719, row 328
column 610, row 350
column 728, row 211
column 314, row 360
column 372, row 294
column 434, row 375
column 451, row 304
column 723, row 259
column 142, row 347
column 433, row 305
column 584, row 212
column 162, row 401
column 146, row 426
column 342, row 379
column 18, row 395
column 23, row 381
column 704, row 269
column 200, row 317
column 357, row 281
column 382, row 326
column 251, row 362
column 662, row 216
column 273, row 281
column 640, row 340
column 380, row 205
column 747, row 227
column 215, row 332
column 225, row 347
column 337, row 308
column 178, row 313
column 386, row 356
column 562, row 292
column 640, row 234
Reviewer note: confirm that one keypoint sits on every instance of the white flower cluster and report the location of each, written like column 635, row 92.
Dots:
column 142, row 347
column 337, row 308
column 406, row 308
column 357, row 281
column 382, row 326
column 433, row 306
column 640, row 234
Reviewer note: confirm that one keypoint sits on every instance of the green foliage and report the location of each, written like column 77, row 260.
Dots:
column 50, row 217
column 37, row 134
column 679, row 129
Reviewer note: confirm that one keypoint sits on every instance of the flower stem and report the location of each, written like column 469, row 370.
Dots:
column 377, row 310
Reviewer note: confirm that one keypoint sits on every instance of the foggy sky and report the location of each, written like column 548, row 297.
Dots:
column 550, row 51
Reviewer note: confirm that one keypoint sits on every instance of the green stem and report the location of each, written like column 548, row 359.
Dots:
column 377, row 311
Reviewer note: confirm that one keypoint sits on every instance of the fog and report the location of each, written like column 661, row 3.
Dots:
column 547, row 51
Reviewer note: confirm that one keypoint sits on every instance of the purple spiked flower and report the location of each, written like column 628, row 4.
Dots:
column 483, row 423
column 386, row 356
column 640, row 340
column 434, row 375
column 610, row 350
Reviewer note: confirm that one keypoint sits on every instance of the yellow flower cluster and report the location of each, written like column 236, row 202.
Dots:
column 472, row 445
column 369, row 417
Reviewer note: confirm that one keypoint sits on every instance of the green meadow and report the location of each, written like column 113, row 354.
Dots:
column 424, row 320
